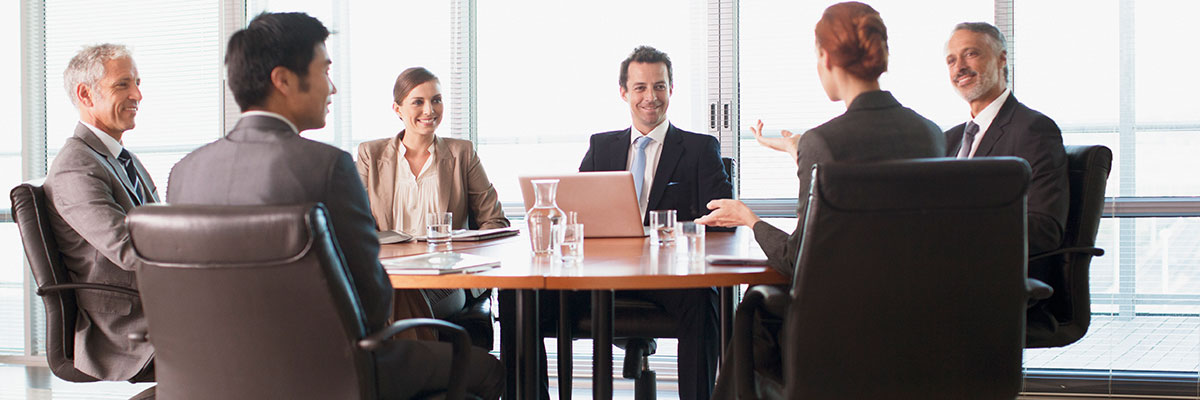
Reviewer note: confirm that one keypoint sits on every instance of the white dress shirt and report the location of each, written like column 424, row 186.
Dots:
column 985, row 117
column 272, row 115
column 415, row 194
column 111, row 144
column 653, row 150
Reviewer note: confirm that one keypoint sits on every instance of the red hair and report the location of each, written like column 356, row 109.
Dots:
column 855, row 38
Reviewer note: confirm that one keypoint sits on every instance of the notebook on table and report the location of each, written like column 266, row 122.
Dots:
column 438, row 264
column 475, row 235
column 606, row 201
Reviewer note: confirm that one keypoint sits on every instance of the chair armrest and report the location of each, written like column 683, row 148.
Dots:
column 461, row 344
column 769, row 300
column 1037, row 290
column 1095, row 252
column 42, row 291
column 138, row 337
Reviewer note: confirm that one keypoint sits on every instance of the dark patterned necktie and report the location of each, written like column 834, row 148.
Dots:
column 964, row 150
column 126, row 160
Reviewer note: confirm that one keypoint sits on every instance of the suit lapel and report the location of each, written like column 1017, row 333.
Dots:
column 83, row 133
column 996, row 129
column 445, row 169
column 954, row 139
column 387, row 181
column 149, row 192
column 668, row 157
column 619, row 148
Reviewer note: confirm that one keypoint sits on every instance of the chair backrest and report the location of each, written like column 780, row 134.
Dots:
column 730, row 166
column 910, row 282
column 248, row 302
column 41, row 250
column 1070, row 305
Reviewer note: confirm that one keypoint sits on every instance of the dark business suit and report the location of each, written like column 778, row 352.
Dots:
column 1022, row 132
column 875, row 127
column 1019, row 131
column 263, row 161
column 88, row 194
column 689, row 174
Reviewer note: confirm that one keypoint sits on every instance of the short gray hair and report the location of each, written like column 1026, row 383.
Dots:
column 87, row 67
column 999, row 45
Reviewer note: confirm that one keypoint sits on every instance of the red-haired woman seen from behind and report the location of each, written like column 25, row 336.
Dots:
column 852, row 53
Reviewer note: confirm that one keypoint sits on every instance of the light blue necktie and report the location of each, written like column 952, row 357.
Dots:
column 639, row 164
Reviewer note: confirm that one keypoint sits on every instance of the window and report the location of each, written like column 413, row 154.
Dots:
column 175, row 46
column 779, row 83
column 548, row 75
column 541, row 78
column 387, row 37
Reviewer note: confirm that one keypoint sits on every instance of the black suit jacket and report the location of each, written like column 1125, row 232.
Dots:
column 875, row 127
column 1019, row 131
column 688, row 176
column 262, row 161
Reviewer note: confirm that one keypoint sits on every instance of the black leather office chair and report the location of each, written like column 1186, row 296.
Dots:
column 253, row 302
column 910, row 284
column 54, row 284
column 1063, row 318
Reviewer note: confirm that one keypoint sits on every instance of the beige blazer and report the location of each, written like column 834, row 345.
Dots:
column 463, row 189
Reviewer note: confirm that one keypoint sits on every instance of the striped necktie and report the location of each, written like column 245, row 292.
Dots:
column 126, row 160
column 964, row 150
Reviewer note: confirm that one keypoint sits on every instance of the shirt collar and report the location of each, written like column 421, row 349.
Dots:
column 255, row 113
column 985, row 117
column 657, row 134
column 111, row 144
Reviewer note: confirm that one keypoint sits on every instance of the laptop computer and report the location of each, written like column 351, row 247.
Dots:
column 605, row 201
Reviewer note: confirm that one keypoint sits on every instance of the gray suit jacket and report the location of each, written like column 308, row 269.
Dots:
column 88, row 195
column 262, row 161
column 875, row 127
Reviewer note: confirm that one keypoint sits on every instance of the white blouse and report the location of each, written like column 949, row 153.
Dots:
column 415, row 195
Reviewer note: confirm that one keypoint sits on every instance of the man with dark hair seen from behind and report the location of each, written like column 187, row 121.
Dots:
column 92, row 184
column 1002, row 126
column 278, row 71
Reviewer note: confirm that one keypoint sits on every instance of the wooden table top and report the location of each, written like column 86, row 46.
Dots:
column 612, row 263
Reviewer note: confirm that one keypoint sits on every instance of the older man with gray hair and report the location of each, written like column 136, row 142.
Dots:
column 92, row 184
column 999, row 125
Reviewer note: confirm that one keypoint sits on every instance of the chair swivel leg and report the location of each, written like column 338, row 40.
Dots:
column 637, row 367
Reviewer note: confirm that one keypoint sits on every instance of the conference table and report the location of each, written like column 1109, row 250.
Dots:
column 608, row 264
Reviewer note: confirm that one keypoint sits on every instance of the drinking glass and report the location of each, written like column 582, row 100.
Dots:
column 693, row 235
column 662, row 227
column 437, row 227
column 572, row 243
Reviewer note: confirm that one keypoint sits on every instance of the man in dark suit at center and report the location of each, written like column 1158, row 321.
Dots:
column 673, row 170
column 1002, row 126
column 278, row 71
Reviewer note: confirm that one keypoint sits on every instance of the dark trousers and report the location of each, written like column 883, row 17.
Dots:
column 408, row 368
column 694, row 312
column 768, row 359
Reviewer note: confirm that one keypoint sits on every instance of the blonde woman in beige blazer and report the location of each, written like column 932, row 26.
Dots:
column 416, row 172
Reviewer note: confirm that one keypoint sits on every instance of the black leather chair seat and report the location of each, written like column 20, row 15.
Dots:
column 476, row 318
column 638, row 318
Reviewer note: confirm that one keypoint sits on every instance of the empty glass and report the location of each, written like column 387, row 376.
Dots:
column 662, row 227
